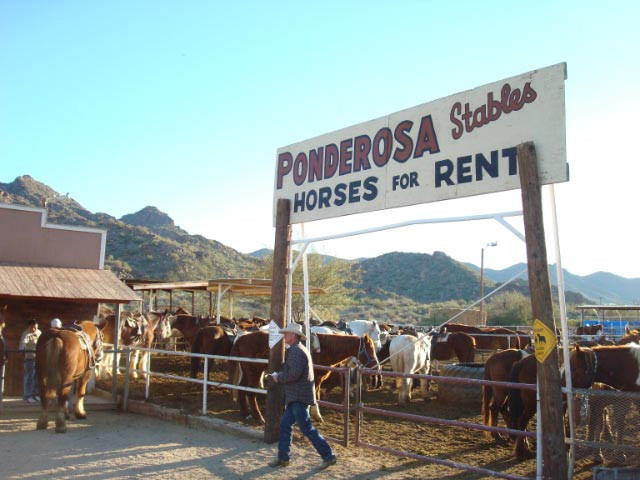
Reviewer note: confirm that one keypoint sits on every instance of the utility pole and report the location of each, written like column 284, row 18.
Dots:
column 490, row 244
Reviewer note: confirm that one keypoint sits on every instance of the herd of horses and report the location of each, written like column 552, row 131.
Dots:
column 67, row 356
column 605, row 367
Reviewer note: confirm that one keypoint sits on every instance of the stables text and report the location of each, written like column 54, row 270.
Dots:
column 390, row 159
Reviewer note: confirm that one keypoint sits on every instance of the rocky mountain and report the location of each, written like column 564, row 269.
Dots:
column 147, row 244
column 598, row 288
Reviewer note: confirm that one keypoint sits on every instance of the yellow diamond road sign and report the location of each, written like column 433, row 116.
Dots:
column 544, row 340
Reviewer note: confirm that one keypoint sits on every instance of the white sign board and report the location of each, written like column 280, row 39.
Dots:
column 274, row 336
column 457, row 146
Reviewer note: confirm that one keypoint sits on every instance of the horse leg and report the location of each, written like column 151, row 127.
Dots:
column 134, row 363
column 144, row 364
column 315, row 409
column 81, row 391
column 62, row 412
column 105, row 366
column 404, row 392
column 523, row 450
column 253, row 400
column 45, row 393
column 500, row 406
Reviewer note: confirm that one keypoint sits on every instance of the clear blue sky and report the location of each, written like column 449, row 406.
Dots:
column 182, row 105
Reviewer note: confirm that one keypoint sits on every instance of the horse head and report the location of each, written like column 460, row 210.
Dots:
column 583, row 363
column 630, row 336
column 367, row 352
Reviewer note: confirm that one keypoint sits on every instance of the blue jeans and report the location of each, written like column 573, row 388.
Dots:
column 298, row 412
column 30, row 381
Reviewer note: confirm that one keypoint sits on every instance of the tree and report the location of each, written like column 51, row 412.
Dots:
column 333, row 275
column 509, row 308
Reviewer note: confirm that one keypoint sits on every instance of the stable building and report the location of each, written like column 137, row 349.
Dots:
column 49, row 271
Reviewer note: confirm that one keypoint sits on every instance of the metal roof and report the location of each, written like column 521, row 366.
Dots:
column 242, row 286
column 67, row 284
column 608, row 307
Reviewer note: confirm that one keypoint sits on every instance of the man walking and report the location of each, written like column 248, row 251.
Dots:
column 299, row 394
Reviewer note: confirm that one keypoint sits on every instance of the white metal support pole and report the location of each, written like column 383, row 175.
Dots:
column 565, row 328
column 205, row 386
column 305, row 274
column 218, row 304
column 147, row 369
column 289, row 286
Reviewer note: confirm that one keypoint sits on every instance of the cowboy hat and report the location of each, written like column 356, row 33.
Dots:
column 293, row 328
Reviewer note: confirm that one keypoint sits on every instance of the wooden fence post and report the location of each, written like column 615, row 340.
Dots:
column 278, row 314
column 554, row 453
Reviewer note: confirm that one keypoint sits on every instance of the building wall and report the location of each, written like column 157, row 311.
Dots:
column 29, row 240
column 18, row 314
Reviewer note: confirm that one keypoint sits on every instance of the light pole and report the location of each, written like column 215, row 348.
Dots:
column 490, row 244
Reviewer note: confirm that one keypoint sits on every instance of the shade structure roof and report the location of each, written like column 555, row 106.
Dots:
column 242, row 286
column 63, row 284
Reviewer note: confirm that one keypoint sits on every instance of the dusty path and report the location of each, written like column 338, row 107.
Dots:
column 112, row 445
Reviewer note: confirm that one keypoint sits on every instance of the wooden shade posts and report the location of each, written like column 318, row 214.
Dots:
column 278, row 314
column 554, row 465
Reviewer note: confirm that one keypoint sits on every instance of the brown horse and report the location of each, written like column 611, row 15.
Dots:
column 522, row 403
column 63, row 357
column 445, row 345
column 212, row 340
column 251, row 345
column 630, row 336
column 188, row 325
column 334, row 349
column 487, row 338
column 617, row 366
column 136, row 330
column 494, row 399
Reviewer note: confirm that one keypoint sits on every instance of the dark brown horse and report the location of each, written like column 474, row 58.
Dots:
column 334, row 349
column 212, row 340
column 249, row 374
column 494, row 399
column 445, row 345
column 522, row 403
column 487, row 338
column 617, row 366
column 188, row 325
column 63, row 357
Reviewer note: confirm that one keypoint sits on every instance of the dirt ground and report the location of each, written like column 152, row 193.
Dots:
column 441, row 442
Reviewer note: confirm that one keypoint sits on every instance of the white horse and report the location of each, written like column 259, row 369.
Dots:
column 409, row 354
column 366, row 327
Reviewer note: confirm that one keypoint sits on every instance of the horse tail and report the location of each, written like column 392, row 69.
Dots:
column 516, row 406
column 53, row 349
column 196, row 346
column 487, row 393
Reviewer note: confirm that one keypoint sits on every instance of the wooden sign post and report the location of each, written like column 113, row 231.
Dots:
column 554, row 456
column 278, row 314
